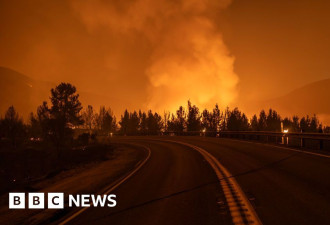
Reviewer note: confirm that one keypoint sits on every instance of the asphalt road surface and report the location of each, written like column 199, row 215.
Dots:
column 178, row 186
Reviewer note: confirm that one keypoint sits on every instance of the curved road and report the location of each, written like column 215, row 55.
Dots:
column 178, row 186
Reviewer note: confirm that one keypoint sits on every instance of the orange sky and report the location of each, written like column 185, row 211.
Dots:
column 158, row 54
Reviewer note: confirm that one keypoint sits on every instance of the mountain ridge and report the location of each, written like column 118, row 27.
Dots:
column 26, row 94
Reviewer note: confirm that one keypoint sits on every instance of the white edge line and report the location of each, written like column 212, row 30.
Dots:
column 112, row 187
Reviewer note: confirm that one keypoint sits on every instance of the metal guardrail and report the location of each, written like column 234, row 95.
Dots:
column 302, row 140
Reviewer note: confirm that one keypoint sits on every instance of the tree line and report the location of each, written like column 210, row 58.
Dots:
column 56, row 121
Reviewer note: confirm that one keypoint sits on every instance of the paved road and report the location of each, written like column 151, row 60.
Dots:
column 177, row 186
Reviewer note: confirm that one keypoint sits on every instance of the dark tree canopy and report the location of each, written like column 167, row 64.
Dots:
column 193, row 118
column 154, row 123
column 65, row 104
column 58, row 120
column 140, row 123
column 89, row 117
column 237, row 121
column 12, row 126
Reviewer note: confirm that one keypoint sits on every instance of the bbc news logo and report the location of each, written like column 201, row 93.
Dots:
column 55, row 200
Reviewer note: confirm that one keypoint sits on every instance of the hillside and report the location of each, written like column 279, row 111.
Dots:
column 26, row 94
column 21, row 91
column 313, row 98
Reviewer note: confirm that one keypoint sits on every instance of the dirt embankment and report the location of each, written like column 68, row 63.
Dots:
column 22, row 167
column 90, row 177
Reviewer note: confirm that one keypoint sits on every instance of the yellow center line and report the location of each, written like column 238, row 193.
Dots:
column 239, row 206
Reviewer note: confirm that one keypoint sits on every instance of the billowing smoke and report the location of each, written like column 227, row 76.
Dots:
column 188, row 58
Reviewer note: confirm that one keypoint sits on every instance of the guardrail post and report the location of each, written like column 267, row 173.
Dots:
column 286, row 140
column 321, row 144
column 302, row 142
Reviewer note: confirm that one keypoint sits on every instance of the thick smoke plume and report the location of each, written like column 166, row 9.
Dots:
column 188, row 58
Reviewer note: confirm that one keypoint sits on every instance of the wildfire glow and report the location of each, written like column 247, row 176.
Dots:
column 188, row 58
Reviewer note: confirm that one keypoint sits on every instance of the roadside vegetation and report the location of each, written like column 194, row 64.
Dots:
column 63, row 122
column 61, row 134
column 49, row 143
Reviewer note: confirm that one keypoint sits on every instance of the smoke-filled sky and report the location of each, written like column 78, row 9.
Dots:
column 140, row 54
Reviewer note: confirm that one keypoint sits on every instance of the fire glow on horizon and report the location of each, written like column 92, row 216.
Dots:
column 188, row 60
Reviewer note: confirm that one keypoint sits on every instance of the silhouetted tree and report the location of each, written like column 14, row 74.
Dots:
column 314, row 124
column 89, row 117
column 167, row 116
column 58, row 120
column 244, row 122
column 134, row 123
column 287, row 124
column 310, row 124
column 35, row 129
column 178, row 123
column 44, row 118
column 171, row 123
column 216, row 119
column 326, row 129
column 295, row 124
column 154, row 123
column 304, row 124
column 273, row 121
column 143, row 123
column 129, row 123
column 206, row 120
column 181, row 119
column 99, row 117
column 109, row 122
column 12, row 125
column 124, row 123
column 254, row 123
column 262, row 124
column 237, row 121
column 105, row 120
column 223, row 124
column 210, row 121
column 291, row 124
column 193, row 118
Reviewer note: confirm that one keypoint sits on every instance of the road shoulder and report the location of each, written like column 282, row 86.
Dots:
column 90, row 178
